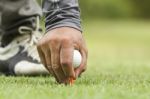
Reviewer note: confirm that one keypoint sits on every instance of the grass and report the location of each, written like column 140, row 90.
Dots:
column 118, row 67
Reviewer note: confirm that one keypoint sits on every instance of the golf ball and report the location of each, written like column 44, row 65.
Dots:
column 77, row 58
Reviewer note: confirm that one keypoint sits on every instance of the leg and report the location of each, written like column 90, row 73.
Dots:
column 17, row 13
column 18, row 53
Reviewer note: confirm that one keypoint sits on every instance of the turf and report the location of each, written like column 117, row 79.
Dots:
column 118, row 67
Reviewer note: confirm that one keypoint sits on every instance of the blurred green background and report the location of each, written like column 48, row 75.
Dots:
column 115, row 8
column 117, row 33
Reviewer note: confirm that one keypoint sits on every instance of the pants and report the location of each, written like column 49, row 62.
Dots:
column 14, row 13
column 58, row 13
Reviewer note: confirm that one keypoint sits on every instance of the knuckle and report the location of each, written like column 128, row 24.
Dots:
column 55, row 66
column 41, row 43
column 66, row 62
column 66, row 39
column 49, row 67
column 53, row 40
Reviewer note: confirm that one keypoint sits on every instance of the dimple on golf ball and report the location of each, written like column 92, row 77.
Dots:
column 77, row 58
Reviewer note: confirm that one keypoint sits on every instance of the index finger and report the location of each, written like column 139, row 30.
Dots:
column 66, row 59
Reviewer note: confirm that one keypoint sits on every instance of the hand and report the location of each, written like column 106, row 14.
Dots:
column 56, row 53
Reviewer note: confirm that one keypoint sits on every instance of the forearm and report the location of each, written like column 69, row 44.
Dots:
column 62, row 13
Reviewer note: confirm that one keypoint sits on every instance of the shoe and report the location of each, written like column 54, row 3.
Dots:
column 20, row 56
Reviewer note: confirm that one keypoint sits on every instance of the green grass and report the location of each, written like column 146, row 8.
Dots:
column 118, row 67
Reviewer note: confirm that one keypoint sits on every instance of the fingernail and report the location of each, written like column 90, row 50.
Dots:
column 71, row 81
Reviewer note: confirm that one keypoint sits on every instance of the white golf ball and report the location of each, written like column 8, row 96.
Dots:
column 77, row 58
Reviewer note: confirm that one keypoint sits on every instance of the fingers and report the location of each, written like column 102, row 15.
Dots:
column 66, row 58
column 55, row 61
column 57, row 54
column 83, row 64
column 57, row 58
column 47, row 55
column 41, row 55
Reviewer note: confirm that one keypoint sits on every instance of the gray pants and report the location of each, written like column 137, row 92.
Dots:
column 15, row 13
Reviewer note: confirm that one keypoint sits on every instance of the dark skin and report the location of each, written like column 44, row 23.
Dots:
column 56, row 53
